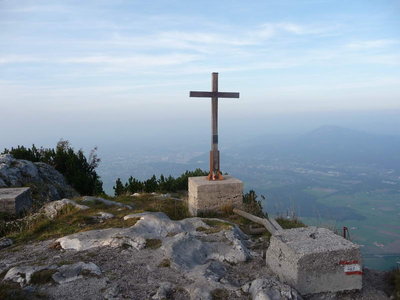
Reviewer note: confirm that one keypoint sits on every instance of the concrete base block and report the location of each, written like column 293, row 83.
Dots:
column 315, row 260
column 15, row 200
column 206, row 195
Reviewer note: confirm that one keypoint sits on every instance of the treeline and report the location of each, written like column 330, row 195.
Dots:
column 79, row 171
column 162, row 184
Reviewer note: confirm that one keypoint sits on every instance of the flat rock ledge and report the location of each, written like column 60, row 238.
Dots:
column 59, row 274
column 202, row 257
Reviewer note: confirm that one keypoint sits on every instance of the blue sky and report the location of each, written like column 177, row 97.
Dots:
column 64, row 62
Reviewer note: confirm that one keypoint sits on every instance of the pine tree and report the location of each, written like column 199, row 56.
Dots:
column 119, row 187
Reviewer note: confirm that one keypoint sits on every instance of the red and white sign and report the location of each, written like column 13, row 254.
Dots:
column 351, row 267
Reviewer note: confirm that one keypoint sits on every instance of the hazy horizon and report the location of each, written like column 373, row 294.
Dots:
column 103, row 72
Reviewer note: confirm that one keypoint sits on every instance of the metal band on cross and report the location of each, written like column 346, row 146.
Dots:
column 215, row 173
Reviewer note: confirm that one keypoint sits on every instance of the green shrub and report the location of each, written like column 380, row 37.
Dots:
column 79, row 171
column 162, row 184
column 252, row 205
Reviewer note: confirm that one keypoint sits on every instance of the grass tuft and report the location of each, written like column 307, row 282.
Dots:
column 72, row 221
column 290, row 223
column 43, row 277
column 220, row 294
column 153, row 243
column 174, row 209
column 165, row 263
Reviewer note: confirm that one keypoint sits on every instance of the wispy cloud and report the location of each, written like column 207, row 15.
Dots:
column 18, row 59
column 360, row 45
column 37, row 9
column 137, row 60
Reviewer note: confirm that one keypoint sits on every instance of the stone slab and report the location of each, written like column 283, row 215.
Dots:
column 15, row 200
column 207, row 195
column 315, row 260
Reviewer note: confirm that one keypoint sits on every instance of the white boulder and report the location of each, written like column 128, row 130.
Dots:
column 52, row 209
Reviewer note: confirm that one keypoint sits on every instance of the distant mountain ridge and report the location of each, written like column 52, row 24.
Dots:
column 330, row 144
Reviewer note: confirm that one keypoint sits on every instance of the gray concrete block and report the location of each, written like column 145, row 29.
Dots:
column 314, row 260
column 207, row 195
column 15, row 200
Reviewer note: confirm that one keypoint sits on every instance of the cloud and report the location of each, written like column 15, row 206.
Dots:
column 135, row 60
column 360, row 45
column 37, row 9
column 12, row 59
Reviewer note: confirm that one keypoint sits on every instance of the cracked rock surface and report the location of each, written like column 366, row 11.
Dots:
column 157, row 258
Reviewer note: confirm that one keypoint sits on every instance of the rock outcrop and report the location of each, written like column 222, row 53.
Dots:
column 52, row 209
column 157, row 258
column 46, row 182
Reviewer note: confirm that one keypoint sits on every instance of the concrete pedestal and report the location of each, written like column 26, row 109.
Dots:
column 15, row 200
column 206, row 195
column 314, row 260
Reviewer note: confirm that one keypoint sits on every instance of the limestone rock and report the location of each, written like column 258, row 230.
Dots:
column 47, row 183
column 111, row 293
column 104, row 216
column 23, row 274
column 5, row 242
column 202, row 257
column 271, row 289
column 51, row 209
column 68, row 273
column 163, row 291
column 63, row 274
column 112, row 237
column 104, row 201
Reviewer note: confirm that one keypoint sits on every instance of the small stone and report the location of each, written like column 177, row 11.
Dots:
column 104, row 215
column 163, row 291
column 111, row 293
column 5, row 242
column 269, row 288
column 246, row 288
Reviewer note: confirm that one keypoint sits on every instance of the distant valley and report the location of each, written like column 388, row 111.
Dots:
column 331, row 176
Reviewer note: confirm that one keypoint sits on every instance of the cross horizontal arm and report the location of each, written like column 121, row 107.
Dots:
column 214, row 94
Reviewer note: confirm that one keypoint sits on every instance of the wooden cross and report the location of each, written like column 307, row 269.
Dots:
column 215, row 173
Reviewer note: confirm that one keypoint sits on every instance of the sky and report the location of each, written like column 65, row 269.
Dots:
column 85, row 70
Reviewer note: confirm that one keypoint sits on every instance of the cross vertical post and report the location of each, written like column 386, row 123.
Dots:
column 215, row 173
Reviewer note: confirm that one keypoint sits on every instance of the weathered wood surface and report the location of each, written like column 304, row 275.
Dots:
column 215, row 173
column 265, row 222
column 275, row 223
column 214, row 94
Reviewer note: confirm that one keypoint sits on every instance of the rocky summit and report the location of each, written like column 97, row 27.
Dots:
column 46, row 182
column 153, row 257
